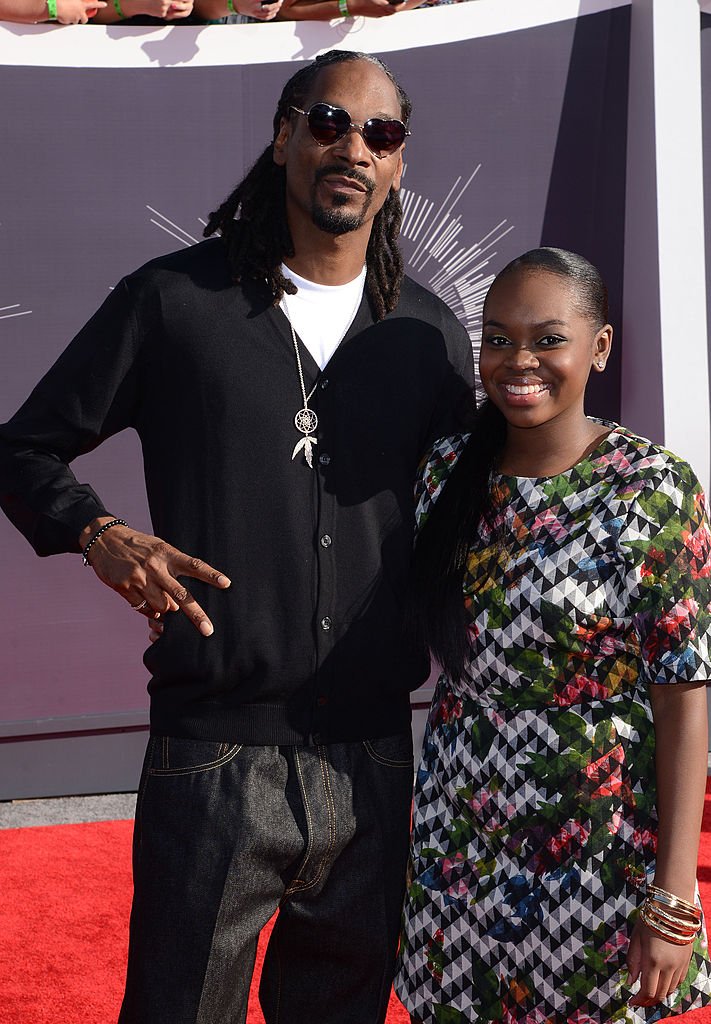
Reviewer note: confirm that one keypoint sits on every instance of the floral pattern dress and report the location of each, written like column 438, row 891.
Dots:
column 534, row 822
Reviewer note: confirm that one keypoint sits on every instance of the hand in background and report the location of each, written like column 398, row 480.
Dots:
column 254, row 9
column 77, row 12
column 166, row 10
column 211, row 10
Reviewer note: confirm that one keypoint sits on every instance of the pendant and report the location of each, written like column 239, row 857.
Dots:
column 306, row 421
column 306, row 443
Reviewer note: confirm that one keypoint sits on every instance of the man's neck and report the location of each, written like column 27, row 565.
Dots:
column 330, row 259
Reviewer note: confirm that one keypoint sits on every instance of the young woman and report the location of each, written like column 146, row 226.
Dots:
column 563, row 583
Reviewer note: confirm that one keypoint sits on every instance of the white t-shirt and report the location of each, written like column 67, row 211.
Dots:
column 321, row 314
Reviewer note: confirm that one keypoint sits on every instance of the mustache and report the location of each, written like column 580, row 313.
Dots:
column 346, row 172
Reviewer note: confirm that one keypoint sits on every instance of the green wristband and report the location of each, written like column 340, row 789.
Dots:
column 117, row 8
column 52, row 10
column 343, row 8
column 231, row 7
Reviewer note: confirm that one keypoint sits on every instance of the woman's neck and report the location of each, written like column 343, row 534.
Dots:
column 549, row 449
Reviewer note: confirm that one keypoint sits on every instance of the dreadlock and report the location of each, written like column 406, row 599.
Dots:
column 252, row 220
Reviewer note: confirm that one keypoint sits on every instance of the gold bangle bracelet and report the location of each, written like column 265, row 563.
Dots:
column 672, row 919
column 664, row 933
column 681, row 929
column 670, row 900
column 678, row 918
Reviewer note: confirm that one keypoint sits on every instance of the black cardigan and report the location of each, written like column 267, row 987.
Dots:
column 308, row 639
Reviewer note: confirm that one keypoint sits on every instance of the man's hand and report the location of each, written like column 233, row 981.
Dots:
column 142, row 568
column 660, row 966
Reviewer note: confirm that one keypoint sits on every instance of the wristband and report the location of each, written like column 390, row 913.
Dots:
column 52, row 10
column 343, row 8
column 231, row 7
column 117, row 8
column 106, row 526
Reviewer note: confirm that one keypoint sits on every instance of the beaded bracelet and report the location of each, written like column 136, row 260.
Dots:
column 52, row 10
column 102, row 529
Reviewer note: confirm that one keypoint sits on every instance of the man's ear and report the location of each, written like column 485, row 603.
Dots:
column 399, row 170
column 279, row 144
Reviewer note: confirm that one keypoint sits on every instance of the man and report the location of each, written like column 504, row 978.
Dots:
column 285, row 381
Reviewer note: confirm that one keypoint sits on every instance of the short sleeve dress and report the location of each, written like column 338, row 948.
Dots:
column 534, row 821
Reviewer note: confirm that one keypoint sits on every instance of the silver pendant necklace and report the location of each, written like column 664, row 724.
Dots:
column 306, row 420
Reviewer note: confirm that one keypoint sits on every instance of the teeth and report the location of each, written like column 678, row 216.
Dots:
column 525, row 389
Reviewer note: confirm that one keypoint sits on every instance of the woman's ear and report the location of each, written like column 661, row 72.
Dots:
column 602, row 345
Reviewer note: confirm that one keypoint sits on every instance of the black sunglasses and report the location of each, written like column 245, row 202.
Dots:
column 328, row 124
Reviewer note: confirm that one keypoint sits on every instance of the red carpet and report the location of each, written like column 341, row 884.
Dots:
column 65, row 896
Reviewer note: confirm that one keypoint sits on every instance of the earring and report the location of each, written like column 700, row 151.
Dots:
column 601, row 364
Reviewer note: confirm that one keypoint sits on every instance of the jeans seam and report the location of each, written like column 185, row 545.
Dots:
column 168, row 772
column 297, row 884
column 323, row 764
column 325, row 775
column 372, row 753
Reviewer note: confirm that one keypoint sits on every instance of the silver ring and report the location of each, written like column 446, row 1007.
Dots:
column 139, row 607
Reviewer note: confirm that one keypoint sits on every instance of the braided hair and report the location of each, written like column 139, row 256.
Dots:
column 252, row 219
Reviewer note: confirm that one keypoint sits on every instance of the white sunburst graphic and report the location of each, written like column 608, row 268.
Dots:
column 442, row 256
column 437, row 249
column 171, row 228
column 14, row 310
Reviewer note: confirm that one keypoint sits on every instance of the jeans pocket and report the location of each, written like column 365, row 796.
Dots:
column 393, row 751
column 174, row 755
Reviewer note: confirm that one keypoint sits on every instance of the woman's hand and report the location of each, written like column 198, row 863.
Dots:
column 681, row 747
column 166, row 10
column 659, row 965
column 77, row 12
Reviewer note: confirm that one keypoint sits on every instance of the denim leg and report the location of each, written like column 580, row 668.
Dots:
column 214, row 839
column 331, row 956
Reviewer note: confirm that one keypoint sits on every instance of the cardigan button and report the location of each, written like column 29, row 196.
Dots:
column 323, row 384
column 326, row 623
column 326, row 541
column 324, row 459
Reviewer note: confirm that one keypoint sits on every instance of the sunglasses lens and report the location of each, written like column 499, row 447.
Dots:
column 384, row 137
column 327, row 124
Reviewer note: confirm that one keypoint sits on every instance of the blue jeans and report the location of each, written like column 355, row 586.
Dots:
column 226, row 834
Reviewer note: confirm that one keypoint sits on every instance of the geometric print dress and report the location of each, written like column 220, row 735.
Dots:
column 534, row 820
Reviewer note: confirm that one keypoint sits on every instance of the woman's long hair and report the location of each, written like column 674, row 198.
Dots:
column 252, row 220
column 437, row 614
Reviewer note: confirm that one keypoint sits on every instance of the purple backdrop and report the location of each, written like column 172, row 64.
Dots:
column 106, row 173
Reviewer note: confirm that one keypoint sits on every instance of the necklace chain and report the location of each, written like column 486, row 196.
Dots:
column 306, row 420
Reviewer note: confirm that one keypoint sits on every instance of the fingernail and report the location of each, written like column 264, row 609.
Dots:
column 206, row 628
column 223, row 581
